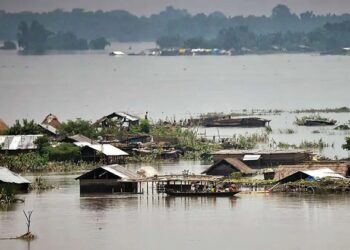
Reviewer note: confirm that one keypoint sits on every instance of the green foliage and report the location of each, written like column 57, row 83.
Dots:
column 32, row 37
column 24, row 128
column 302, row 120
column 63, row 152
column 39, row 184
column 41, row 143
column 24, row 162
column 320, row 144
column 99, row 43
column 343, row 127
column 170, row 42
column 9, row 45
column 65, row 41
column 78, row 126
column 347, row 144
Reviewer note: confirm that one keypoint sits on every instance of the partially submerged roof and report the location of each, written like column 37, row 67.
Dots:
column 235, row 163
column 18, row 142
column 285, row 170
column 7, row 176
column 259, row 152
column 106, row 149
column 316, row 174
column 114, row 169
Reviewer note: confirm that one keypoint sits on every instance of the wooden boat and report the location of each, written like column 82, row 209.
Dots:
column 201, row 194
column 236, row 122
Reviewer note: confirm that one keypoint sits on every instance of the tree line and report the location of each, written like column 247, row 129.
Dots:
column 329, row 37
column 123, row 26
column 35, row 37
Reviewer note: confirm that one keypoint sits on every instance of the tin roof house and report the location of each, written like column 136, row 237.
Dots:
column 12, row 181
column 109, row 179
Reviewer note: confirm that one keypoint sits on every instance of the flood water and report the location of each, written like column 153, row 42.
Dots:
column 63, row 219
column 93, row 84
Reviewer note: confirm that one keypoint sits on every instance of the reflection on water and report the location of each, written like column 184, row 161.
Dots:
column 64, row 219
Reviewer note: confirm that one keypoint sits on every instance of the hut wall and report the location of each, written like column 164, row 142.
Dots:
column 14, row 187
column 107, row 186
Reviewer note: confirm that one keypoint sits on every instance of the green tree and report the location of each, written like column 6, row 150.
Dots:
column 346, row 146
column 9, row 45
column 33, row 37
column 24, row 128
column 79, row 126
column 99, row 43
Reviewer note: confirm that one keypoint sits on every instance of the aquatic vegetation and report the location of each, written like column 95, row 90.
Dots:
column 40, row 184
column 287, row 131
column 325, row 110
column 303, row 120
column 343, row 127
column 320, row 144
column 248, row 141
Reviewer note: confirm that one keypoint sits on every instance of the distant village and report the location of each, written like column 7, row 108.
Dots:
column 231, row 168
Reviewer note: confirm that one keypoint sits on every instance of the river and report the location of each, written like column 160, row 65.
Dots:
column 63, row 219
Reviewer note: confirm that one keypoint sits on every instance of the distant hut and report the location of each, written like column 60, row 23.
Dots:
column 3, row 126
column 12, row 181
column 227, row 166
column 51, row 124
column 120, row 119
column 109, row 179
column 95, row 152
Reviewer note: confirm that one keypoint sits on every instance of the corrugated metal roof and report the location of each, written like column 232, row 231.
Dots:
column 106, row 149
column 49, row 128
column 80, row 138
column 127, row 116
column 116, row 170
column 251, row 157
column 18, row 142
column 7, row 176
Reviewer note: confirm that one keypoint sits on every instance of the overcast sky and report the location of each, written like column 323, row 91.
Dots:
column 145, row 7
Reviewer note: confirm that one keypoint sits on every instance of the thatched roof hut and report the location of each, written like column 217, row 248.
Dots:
column 283, row 171
column 51, row 120
column 227, row 166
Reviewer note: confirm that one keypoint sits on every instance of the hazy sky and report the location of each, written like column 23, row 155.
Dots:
column 145, row 7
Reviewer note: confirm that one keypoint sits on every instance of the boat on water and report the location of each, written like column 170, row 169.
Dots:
column 236, row 122
column 201, row 194
column 319, row 122
column 117, row 53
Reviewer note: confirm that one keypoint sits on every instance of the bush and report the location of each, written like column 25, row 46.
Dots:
column 79, row 126
column 63, row 152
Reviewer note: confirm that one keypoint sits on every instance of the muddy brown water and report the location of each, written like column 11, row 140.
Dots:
column 64, row 219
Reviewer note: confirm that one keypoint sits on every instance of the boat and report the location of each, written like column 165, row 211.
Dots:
column 319, row 122
column 236, row 122
column 201, row 194
column 117, row 53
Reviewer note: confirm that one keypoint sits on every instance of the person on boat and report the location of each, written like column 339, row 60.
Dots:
column 232, row 188
column 193, row 188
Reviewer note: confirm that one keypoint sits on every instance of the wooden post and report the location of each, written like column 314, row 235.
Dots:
column 147, row 187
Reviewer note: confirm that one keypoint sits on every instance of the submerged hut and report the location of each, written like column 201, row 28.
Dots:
column 12, row 181
column 117, row 119
column 264, row 158
column 312, row 175
column 109, row 179
column 283, row 171
column 227, row 166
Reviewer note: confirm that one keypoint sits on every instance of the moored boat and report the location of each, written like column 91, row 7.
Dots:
column 201, row 194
